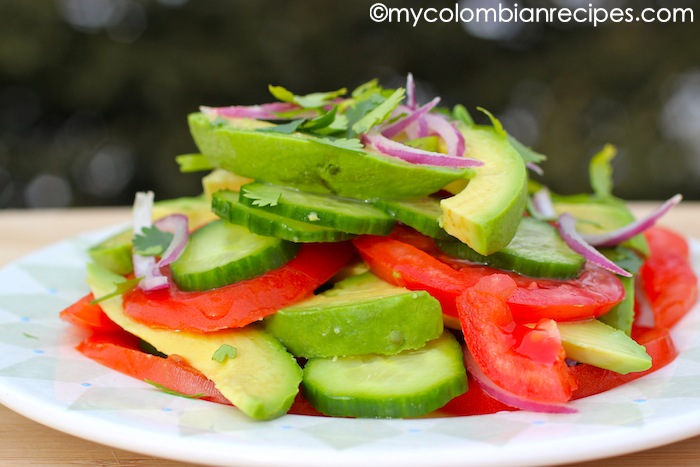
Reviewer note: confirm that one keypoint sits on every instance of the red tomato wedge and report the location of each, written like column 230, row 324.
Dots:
column 244, row 302
column 590, row 295
column 474, row 402
column 414, row 266
column 121, row 353
column 529, row 366
column 88, row 316
column 405, row 265
column 593, row 380
column 667, row 277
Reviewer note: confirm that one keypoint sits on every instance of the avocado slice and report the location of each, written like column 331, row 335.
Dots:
column 262, row 379
column 600, row 345
column 486, row 213
column 360, row 315
column 312, row 164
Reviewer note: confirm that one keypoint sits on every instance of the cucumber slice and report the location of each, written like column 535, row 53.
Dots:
column 344, row 214
column 621, row 316
column 409, row 384
column 226, row 205
column 114, row 253
column 359, row 315
column 537, row 250
column 221, row 253
column 422, row 214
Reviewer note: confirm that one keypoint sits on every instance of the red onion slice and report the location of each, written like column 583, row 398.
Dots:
column 400, row 125
column 145, row 267
column 410, row 92
column 416, row 156
column 176, row 224
column 567, row 229
column 453, row 138
column 509, row 398
column 618, row 236
column 269, row 111
column 534, row 168
column 542, row 202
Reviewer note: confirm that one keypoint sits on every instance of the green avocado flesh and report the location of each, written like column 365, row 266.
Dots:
column 262, row 380
column 486, row 213
column 312, row 165
column 603, row 346
column 359, row 315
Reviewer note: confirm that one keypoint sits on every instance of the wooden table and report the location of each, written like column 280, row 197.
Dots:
column 24, row 442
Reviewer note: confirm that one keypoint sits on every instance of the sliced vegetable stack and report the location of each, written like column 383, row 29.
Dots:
column 361, row 255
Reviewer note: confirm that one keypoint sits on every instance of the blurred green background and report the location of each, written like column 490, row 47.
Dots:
column 94, row 93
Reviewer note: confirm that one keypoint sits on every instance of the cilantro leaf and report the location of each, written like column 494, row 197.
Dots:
column 121, row 288
column 525, row 152
column 497, row 125
column 528, row 155
column 600, row 171
column 285, row 128
column 224, row 353
column 353, row 144
column 308, row 101
column 370, row 87
column 193, row 163
column 265, row 198
column 281, row 93
column 151, row 241
column 320, row 122
column 173, row 392
column 462, row 114
column 374, row 110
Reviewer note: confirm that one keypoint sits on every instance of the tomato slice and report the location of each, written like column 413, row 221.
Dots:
column 667, row 277
column 590, row 295
column 667, row 240
column 536, row 371
column 120, row 352
column 244, row 302
column 474, row 402
column 407, row 266
column 593, row 380
column 87, row 315
column 418, row 265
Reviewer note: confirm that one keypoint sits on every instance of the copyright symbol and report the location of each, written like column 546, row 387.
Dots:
column 378, row 12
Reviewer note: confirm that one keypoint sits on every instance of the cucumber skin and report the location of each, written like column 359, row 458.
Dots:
column 226, row 205
column 422, row 214
column 330, row 211
column 351, row 400
column 311, row 165
column 346, row 330
column 245, row 268
column 564, row 264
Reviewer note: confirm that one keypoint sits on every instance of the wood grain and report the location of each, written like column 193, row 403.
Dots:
column 24, row 442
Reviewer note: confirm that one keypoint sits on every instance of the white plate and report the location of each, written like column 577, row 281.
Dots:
column 44, row 378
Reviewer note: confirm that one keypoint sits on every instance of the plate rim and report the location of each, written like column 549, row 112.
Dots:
column 88, row 426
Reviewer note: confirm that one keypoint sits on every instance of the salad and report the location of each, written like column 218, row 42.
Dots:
column 357, row 254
